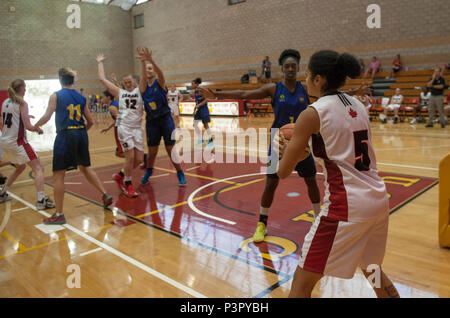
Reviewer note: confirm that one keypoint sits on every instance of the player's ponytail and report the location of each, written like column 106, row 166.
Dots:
column 349, row 64
column 13, row 89
column 334, row 67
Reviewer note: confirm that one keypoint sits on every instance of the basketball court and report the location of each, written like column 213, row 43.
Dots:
column 196, row 241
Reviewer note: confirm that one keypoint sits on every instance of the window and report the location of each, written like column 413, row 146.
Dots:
column 231, row 2
column 138, row 21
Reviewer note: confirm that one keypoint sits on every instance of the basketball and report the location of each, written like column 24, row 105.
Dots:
column 287, row 131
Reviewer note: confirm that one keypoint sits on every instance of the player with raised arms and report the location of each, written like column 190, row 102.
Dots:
column 159, row 122
column 129, row 126
column 351, row 229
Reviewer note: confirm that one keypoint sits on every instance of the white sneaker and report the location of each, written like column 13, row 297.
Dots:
column 412, row 122
column 45, row 203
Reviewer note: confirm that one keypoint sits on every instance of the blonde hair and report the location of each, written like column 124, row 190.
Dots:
column 13, row 89
column 67, row 76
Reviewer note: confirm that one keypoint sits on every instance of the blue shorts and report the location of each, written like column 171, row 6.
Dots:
column 160, row 127
column 305, row 168
column 202, row 114
column 71, row 149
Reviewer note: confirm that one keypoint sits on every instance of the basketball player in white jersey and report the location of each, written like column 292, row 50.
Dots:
column 394, row 105
column 351, row 229
column 13, row 141
column 129, row 126
column 174, row 99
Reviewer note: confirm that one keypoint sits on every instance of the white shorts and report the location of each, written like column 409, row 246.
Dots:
column 130, row 138
column 17, row 154
column 391, row 107
column 336, row 248
column 175, row 110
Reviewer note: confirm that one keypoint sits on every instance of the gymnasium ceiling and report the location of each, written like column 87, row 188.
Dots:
column 124, row 4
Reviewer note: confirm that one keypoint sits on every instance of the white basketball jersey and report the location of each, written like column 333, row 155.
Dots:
column 131, row 108
column 396, row 99
column 354, row 191
column 173, row 98
column 13, row 128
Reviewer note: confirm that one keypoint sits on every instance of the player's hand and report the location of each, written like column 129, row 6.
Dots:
column 100, row 58
column 103, row 131
column 38, row 130
column 363, row 89
column 31, row 116
column 206, row 93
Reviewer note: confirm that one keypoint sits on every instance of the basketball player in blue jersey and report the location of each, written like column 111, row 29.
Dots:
column 71, row 147
column 113, row 108
column 289, row 99
column 159, row 122
column 201, row 113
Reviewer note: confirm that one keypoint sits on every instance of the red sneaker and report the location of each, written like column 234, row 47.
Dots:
column 120, row 182
column 54, row 219
column 129, row 191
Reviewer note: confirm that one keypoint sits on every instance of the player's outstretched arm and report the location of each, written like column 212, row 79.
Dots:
column 49, row 112
column 113, row 89
column 158, row 71
column 143, row 78
column 307, row 124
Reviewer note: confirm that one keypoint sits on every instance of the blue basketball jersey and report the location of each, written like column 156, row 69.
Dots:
column 155, row 101
column 287, row 106
column 199, row 98
column 69, row 110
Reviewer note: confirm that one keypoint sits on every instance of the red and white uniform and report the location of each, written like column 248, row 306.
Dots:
column 351, row 229
column 395, row 102
column 129, row 120
column 13, row 140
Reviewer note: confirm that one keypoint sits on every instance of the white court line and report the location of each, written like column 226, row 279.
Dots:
column 118, row 253
column 17, row 210
column 6, row 216
column 206, row 215
column 160, row 175
column 90, row 252
column 23, row 181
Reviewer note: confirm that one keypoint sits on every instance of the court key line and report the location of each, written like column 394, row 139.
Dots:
column 119, row 254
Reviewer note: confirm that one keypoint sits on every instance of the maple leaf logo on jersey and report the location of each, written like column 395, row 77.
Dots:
column 353, row 113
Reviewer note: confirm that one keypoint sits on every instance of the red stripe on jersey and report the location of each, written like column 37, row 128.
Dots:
column 338, row 208
column 321, row 245
column 116, row 136
column 30, row 152
column 21, row 134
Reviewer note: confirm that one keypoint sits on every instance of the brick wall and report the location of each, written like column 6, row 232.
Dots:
column 208, row 38
column 35, row 41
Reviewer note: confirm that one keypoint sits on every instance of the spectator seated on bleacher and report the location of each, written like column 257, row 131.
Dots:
column 422, row 105
column 394, row 105
column 397, row 66
column 374, row 68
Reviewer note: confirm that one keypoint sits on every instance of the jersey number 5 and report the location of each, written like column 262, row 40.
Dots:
column 73, row 110
column 362, row 160
column 7, row 120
